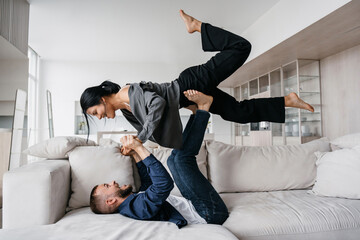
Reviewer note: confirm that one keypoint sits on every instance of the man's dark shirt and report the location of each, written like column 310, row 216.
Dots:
column 151, row 204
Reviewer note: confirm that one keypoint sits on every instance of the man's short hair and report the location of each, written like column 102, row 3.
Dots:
column 98, row 203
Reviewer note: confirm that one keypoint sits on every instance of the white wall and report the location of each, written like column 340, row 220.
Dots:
column 284, row 20
column 222, row 129
column 13, row 75
column 67, row 80
column 340, row 93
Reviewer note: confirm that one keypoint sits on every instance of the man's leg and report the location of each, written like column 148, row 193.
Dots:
column 187, row 176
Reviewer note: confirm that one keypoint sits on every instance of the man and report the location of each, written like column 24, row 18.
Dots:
column 201, row 202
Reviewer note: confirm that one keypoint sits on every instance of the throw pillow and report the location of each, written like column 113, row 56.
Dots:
column 267, row 168
column 338, row 174
column 347, row 141
column 57, row 147
column 91, row 166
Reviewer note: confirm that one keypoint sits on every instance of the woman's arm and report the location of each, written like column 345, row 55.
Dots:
column 155, row 106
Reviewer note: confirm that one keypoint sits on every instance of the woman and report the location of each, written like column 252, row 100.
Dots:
column 153, row 109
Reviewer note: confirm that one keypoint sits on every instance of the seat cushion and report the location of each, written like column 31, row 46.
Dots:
column 83, row 224
column 290, row 214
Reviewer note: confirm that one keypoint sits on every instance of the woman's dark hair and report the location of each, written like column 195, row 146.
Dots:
column 92, row 96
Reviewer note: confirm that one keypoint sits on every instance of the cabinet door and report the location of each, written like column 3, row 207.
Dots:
column 260, row 138
column 275, row 91
column 5, row 18
column 20, row 25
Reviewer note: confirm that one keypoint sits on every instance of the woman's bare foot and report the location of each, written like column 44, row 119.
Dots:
column 192, row 108
column 293, row 100
column 192, row 24
column 202, row 101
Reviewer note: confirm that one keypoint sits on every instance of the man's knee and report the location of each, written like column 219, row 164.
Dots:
column 170, row 160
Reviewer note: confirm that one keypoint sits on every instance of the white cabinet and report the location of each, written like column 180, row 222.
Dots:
column 14, row 23
column 303, row 78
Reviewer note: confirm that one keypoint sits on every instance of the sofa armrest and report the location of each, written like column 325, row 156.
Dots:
column 36, row 194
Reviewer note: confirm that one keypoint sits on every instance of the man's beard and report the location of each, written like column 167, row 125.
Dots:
column 124, row 192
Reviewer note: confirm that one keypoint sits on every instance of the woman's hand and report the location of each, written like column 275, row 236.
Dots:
column 129, row 143
column 126, row 151
column 132, row 143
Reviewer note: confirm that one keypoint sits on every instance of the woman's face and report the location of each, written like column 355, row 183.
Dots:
column 101, row 110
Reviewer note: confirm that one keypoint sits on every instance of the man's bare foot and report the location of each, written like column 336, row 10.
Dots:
column 192, row 108
column 192, row 24
column 202, row 101
column 293, row 100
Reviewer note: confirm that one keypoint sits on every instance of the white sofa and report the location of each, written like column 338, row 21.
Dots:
column 266, row 190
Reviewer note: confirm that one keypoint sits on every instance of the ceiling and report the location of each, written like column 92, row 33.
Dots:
column 132, row 31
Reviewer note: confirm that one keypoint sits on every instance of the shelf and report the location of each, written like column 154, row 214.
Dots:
column 302, row 78
column 302, row 113
column 307, row 94
column 292, row 81
column 297, row 137
column 302, row 121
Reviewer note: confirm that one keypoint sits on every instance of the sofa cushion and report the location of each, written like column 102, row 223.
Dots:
column 293, row 214
column 338, row 173
column 57, row 147
column 35, row 194
column 347, row 141
column 162, row 155
column 83, row 224
column 242, row 169
column 91, row 166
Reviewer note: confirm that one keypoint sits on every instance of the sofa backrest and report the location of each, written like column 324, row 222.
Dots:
column 229, row 168
column 92, row 165
column 242, row 169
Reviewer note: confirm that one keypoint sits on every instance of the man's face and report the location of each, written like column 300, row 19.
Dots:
column 113, row 187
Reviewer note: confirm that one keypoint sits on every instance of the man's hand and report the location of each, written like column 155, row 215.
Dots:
column 130, row 142
column 126, row 151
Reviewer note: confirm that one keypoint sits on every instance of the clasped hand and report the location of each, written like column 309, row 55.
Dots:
column 129, row 143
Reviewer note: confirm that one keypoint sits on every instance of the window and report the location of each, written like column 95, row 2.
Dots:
column 33, row 84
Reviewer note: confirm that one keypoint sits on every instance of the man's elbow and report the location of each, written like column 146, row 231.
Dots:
column 170, row 185
column 167, row 185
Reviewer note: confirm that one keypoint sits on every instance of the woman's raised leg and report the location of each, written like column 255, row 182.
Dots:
column 233, row 52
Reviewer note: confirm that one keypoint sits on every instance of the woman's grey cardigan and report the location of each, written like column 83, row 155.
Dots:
column 155, row 112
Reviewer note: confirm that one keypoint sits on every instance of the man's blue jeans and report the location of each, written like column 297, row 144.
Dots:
column 187, row 176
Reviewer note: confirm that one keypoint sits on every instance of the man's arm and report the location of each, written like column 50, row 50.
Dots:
column 144, row 175
column 162, row 183
column 147, row 204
